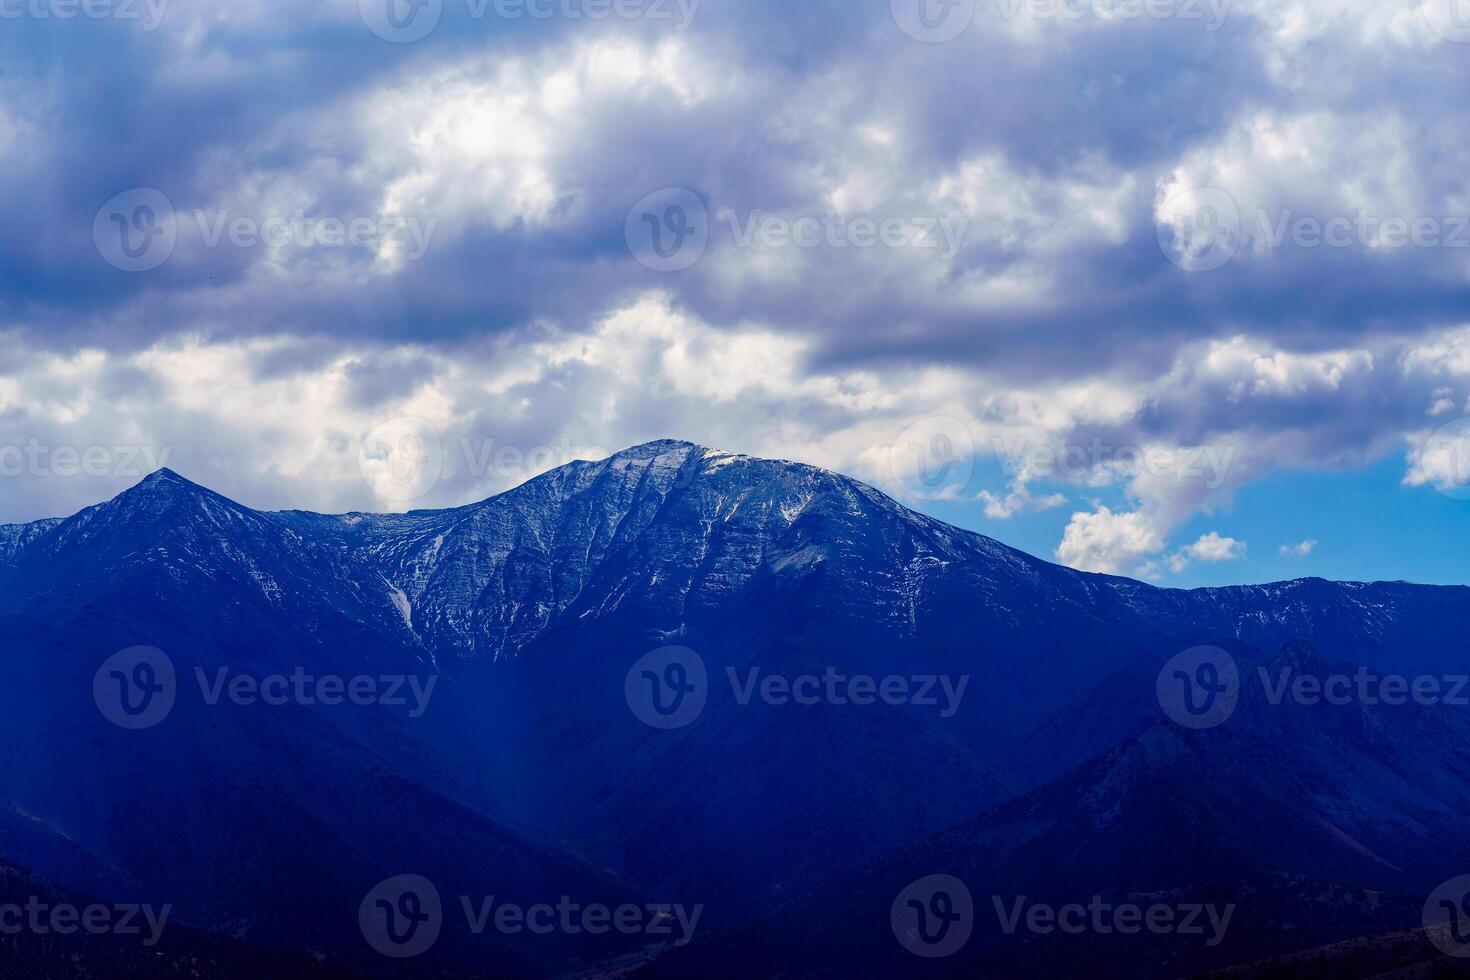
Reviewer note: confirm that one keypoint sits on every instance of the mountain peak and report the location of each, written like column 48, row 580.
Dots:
column 164, row 487
column 165, row 475
column 660, row 447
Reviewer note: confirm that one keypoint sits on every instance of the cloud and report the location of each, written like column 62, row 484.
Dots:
column 1103, row 541
column 1301, row 550
column 1018, row 501
column 1045, row 319
column 1210, row 549
column 1441, row 459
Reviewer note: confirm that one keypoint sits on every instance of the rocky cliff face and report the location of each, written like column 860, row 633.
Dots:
column 531, row 609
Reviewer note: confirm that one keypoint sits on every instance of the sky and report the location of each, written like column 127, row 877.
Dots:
column 1174, row 289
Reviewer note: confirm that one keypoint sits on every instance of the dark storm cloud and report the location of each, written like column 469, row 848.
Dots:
column 443, row 226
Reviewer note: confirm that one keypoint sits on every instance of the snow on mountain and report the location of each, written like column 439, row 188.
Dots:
column 680, row 530
column 533, row 606
column 13, row 537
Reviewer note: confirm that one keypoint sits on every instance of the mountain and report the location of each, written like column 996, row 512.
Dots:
column 528, row 615
column 153, row 951
column 1324, row 820
column 13, row 537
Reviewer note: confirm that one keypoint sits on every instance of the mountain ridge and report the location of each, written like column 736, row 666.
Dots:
column 534, row 607
column 643, row 451
column 683, row 528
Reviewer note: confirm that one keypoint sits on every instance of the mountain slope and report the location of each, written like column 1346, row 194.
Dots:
column 1317, row 822
column 531, row 609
